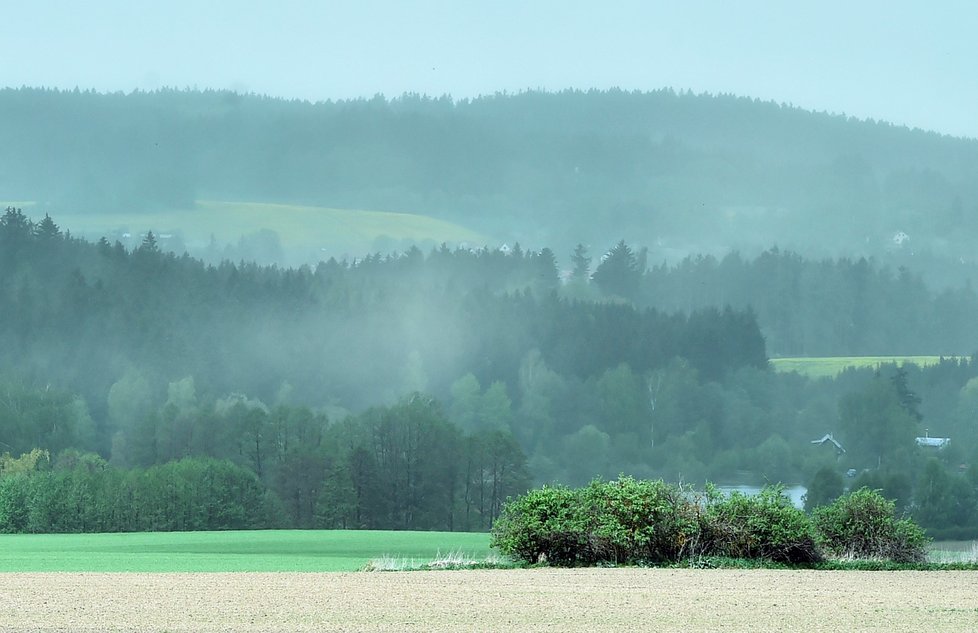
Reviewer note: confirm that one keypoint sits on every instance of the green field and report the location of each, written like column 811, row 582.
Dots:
column 270, row 550
column 829, row 366
column 305, row 229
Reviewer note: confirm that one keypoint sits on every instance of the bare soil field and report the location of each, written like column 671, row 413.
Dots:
column 493, row 600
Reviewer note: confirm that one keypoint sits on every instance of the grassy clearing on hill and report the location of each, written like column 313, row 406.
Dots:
column 829, row 366
column 301, row 229
column 258, row 551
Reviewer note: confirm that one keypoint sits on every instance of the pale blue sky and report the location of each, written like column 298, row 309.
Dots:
column 912, row 63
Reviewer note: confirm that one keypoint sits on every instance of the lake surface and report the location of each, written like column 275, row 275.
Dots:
column 795, row 493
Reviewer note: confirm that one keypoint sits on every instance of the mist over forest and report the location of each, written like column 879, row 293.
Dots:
column 644, row 256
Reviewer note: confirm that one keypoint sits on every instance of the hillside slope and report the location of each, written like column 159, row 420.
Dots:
column 678, row 172
column 269, row 232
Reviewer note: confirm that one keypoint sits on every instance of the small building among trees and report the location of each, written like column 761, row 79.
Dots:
column 828, row 439
column 932, row 442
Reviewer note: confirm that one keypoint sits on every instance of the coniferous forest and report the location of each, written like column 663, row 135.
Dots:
column 677, row 172
column 665, row 247
column 145, row 390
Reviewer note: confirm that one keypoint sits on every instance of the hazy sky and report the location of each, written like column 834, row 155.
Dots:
column 911, row 63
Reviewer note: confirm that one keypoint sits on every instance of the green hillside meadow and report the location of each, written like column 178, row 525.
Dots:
column 829, row 366
column 299, row 228
column 269, row 550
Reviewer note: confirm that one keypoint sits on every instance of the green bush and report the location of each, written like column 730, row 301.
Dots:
column 763, row 526
column 633, row 521
column 629, row 521
column 621, row 521
column 545, row 525
column 862, row 525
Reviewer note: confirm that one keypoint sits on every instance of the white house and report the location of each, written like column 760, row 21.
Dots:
column 932, row 442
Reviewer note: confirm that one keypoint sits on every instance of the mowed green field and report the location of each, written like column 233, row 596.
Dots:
column 299, row 228
column 829, row 366
column 268, row 550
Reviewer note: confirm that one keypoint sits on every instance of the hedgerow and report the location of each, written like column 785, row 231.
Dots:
column 630, row 521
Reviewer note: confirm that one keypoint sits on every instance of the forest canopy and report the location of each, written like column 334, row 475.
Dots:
column 418, row 390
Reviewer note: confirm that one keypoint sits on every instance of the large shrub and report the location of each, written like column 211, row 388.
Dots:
column 862, row 524
column 633, row 521
column 622, row 521
column 545, row 525
column 762, row 526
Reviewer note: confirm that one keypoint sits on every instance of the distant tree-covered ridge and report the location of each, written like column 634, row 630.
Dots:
column 80, row 314
column 689, row 172
column 824, row 307
column 804, row 307
column 143, row 346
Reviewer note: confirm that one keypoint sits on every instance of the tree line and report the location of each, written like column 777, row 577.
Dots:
column 242, row 466
column 804, row 307
column 828, row 307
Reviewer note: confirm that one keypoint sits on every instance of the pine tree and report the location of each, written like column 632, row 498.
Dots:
column 619, row 273
column 582, row 264
column 46, row 230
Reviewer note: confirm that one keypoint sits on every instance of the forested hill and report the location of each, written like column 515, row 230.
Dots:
column 693, row 173
column 83, row 317
column 417, row 391
column 838, row 307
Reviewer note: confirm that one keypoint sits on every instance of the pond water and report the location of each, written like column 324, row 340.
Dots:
column 795, row 493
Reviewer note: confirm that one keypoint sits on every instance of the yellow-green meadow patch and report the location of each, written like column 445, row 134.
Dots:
column 829, row 366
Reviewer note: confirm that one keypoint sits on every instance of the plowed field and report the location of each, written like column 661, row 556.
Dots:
column 494, row 600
